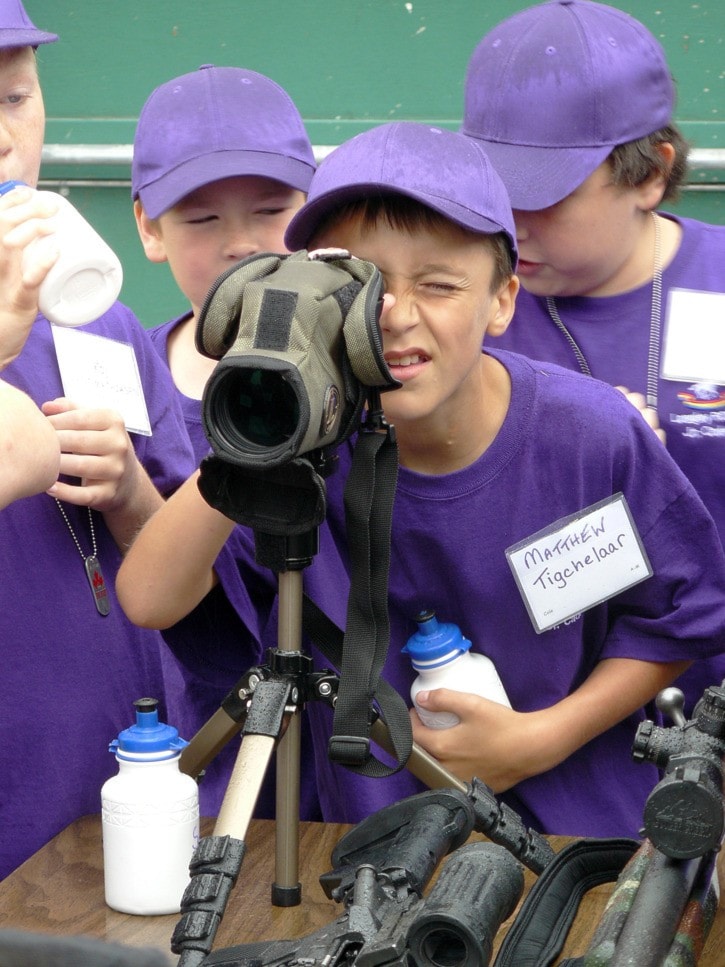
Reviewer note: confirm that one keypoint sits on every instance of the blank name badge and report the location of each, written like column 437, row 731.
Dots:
column 100, row 372
column 694, row 343
column 578, row 562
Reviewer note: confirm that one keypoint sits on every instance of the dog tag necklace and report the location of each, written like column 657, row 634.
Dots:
column 91, row 563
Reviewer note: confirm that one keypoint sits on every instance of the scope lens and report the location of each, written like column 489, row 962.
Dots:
column 443, row 948
column 260, row 407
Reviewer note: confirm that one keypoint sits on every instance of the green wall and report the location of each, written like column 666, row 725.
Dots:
column 348, row 65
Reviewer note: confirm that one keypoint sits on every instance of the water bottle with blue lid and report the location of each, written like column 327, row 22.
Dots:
column 442, row 656
column 150, row 818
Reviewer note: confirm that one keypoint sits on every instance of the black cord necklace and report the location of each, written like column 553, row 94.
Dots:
column 653, row 355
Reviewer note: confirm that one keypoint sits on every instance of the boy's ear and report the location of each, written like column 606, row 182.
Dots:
column 149, row 233
column 652, row 190
column 503, row 307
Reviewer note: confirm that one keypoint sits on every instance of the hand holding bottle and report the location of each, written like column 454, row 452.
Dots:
column 81, row 276
column 24, row 217
column 443, row 659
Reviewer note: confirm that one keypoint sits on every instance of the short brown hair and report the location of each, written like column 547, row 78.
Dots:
column 408, row 215
column 636, row 161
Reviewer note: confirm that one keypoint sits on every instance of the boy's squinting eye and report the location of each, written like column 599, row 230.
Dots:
column 201, row 219
column 444, row 287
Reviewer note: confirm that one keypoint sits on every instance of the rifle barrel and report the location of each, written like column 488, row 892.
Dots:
column 656, row 911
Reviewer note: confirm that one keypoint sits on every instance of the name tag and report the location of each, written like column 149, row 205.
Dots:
column 694, row 343
column 98, row 372
column 578, row 562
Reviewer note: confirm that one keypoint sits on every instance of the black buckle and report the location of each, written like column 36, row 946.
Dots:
column 349, row 750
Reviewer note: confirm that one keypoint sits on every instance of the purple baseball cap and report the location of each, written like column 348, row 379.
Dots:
column 553, row 89
column 216, row 122
column 17, row 29
column 441, row 169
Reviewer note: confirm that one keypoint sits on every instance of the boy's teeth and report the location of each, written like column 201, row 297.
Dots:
column 405, row 360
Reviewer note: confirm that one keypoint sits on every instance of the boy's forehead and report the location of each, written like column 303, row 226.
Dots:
column 18, row 58
column 413, row 249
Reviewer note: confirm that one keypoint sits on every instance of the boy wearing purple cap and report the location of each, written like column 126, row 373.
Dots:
column 71, row 671
column 221, row 163
column 508, row 489
column 573, row 101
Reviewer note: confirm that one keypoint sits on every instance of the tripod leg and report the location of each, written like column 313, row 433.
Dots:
column 207, row 743
column 217, row 860
column 286, row 889
column 244, row 784
column 421, row 764
column 224, row 724
column 262, row 728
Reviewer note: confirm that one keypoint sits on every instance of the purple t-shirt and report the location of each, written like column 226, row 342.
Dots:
column 567, row 443
column 613, row 334
column 190, row 407
column 70, row 676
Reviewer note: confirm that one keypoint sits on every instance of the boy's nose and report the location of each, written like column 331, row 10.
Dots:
column 397, row 313
column 240, row 245
column 239, row 251
column 388, row 303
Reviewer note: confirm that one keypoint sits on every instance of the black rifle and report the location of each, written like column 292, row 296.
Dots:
column 683, row 823
column 380, row 870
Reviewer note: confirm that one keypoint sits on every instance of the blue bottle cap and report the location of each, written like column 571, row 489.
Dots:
column 7, row 186
column 148, row 738
column 434, row 639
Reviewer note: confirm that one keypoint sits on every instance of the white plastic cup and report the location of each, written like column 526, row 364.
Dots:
column 86, row 279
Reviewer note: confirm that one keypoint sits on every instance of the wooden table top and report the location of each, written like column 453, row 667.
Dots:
column 59, row 891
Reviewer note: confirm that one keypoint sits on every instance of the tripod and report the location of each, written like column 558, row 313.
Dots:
column 286, row 507
column 266, row 704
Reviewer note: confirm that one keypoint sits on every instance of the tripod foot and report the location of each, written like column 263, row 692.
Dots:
column 286, row 896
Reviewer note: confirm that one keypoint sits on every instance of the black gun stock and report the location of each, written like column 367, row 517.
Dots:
column 381, row 868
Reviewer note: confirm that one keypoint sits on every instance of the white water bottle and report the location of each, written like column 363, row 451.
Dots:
column 443, row 659
column 87, row 276
column 150, row 818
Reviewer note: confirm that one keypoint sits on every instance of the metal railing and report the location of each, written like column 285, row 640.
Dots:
column 122, row 154
column 700, row 159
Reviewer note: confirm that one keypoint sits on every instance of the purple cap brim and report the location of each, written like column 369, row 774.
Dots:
column 158, row 197
column 537, row 177
column 214, row 123
column 24, row 37
column 553, row 89
column 314, row 213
